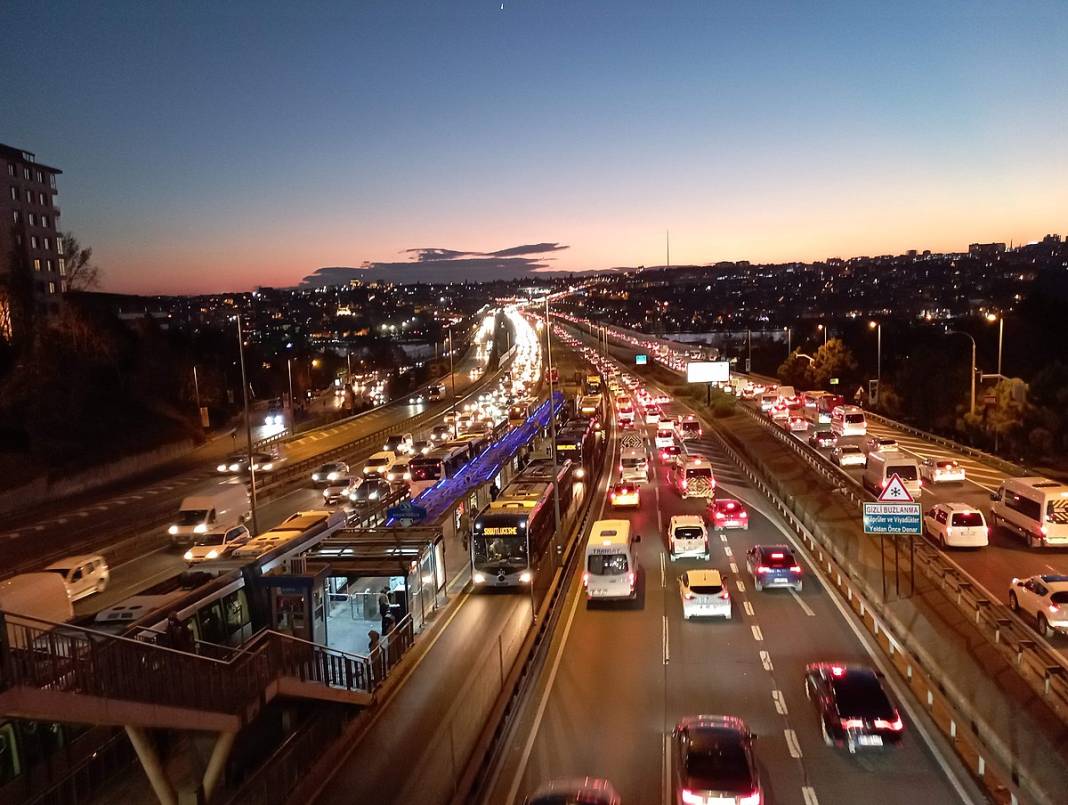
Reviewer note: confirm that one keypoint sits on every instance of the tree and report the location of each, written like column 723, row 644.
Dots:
column 82, row 273
column 794, row 371
column 833, row 359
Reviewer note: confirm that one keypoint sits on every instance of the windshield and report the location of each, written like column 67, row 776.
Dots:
column 607, row 564
column 688, row 532
column 907, row 472
column 716, row 761
column 706, row 589
column 211, row 539
column 778, row 559
column 698, row 472
column 690, row 426
column 500, row 549
column 854, row 419
column 968, row 519
column 192, row 516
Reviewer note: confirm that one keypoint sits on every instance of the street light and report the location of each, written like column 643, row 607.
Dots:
column 789, row 343
column 452, row 374
column 993, row 317
column 824, row 330
column 971, row 408
column 552, row 428
column 248, row 424
column 878, row 327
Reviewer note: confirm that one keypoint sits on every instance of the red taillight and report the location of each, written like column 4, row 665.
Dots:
column 763, row 569
column 630, row 578
column 720, row 515
column 744, row 515
column 896, row 725
column 690, row 798
column 795, row 568
column 685, row 484
column 750, row 799
column 585, row 579
column 1054, row 608
column 724, row 594
column 852, row 723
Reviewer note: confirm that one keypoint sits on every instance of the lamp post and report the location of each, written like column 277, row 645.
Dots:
column 878, row 327
column 824, row 330
column 452, row 374
column 789, row 344
column 993, row 317
column 749, row 347
column 248, row 424
column 971, row 407
column 552, row 429
column 289, row 371
column 196, row 389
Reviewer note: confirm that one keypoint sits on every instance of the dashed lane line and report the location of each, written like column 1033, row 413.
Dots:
column 801, row 603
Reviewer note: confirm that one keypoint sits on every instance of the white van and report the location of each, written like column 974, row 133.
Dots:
column 634, row 464
column 687, row 536
column 1035, row 508
column 217, row 507
column 884, row 466
column 849, row 420
column 83, row 575
column 692, row 477
column 610, row 570
column 37, row 596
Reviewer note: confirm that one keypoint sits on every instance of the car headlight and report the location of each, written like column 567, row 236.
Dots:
column 267, row 467
column 332, row 476
column 200, row 528
column 234, row 467
column 478, row 578
column 172, row 530
column 213, row 554
column 188, row 555
column 326, row 493
column 222, row 468
column 315, row 476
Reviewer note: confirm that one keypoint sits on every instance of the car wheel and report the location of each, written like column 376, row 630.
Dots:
column 800, row 586
column 758, row 585
column 1043, row 626
column 1014, row 604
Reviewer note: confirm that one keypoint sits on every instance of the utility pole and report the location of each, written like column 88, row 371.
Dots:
column 749, row 345
column 552, row 427
column 289, row 371
column 452, row 374
column 196, row 388
column 248, row 423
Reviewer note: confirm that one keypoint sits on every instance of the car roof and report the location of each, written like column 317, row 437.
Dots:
column 1055, row 580
column 768, row 548
column 70, row 561
column 687, row 520
column 704, row 577
column 958, row 507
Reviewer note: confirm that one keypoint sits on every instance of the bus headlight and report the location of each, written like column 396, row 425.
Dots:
column 172, row 530
column 188, row 555
column 479, row 578
column 525, row 577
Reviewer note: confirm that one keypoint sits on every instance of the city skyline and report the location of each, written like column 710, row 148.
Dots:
column 208, row 150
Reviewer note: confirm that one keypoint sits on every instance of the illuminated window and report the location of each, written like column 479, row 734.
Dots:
column 33, row 241
column 14, row 193
column 50, row 265
column 59, row 246
column 47, row 244
column 36, row 263
column 10, row 168
column 44, row 221
column 51, row 287
column 62, row 267
column 33, row 219
column 40, row 199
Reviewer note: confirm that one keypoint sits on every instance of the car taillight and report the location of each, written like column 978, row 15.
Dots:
column 763, row 569
column 691, row 798
column 795, row 568
column 724, row 594
column 585, row 579
column 1054, row 608
column 720, row 515
column 921, row 482
column 852, row 723
column 630, row 578
column 750, row 799
column 896, row 725
column 744, row 515
column 685, row 483
column 688, row 595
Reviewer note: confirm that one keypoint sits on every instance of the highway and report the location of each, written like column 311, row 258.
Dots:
column 618, row 677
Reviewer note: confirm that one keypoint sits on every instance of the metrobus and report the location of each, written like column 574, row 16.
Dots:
column 519, row 412
column 593, row 383
column 818, row 405
column 436, row 466
column 511, row 534
column 574, row 443
column 540, row 470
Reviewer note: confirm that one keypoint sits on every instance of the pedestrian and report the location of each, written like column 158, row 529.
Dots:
column 373, row 641
column 383, row 601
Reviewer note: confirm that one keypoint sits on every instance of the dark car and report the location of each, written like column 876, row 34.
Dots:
column 853, row 707
column 237, row 463
column 773, row 566
column 822, row 438
column 669, row 454
column 712, row 760
column 370, row 492
column 581, row 791
column 727, row 513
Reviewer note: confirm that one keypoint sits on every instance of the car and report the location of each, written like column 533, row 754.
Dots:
column 82, row 575
column 727, row 513
column 624, row 494
column 956, row 525
column 420, row 447
column 585, row 791
column 330, row 471
column 440, row 433
column 369, row 492
column 796, row 424
column 652, row 414
column 849, row 455
column 670, row 454
column 216, row 544
column 712, row 762
column 687, row 537
column 337, row 490
column 704, row 595
column 661, row 399
column 417, row 399
column 881, row 444
column 941, row 470
column 376, row 464
column 823, row 438
column 397, row 472
column 853, row 708
column 237, row 463
column 773, row 566
column 398, row 443
column 274, row 416
column 779, row 413
column 1043, row 598
column 668, row 422
column 665, row 437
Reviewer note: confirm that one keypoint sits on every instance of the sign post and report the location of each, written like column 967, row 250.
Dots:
column 895, row 514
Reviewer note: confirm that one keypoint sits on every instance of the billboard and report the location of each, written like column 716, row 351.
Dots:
column 641, row 360
column 708, row 372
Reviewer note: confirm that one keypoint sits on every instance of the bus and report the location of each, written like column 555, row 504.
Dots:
column 436, row 466
column 573, row 442
column 511, row 534
column 818, row 406
column 436, row 392
column 519, row 412
column 540, row 470
column 593, row 383
column 848, row 420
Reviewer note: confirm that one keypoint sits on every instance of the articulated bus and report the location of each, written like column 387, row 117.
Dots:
column 574, row 442
column 818, row 405
column 511, row 535
column 436, row 466
column 540, row 470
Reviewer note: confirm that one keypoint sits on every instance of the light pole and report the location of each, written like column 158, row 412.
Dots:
column 248, row 424
column 749, row 346
column 992, row 317
column 878, row 327
column 552, row 426
column 452, row 374
column 824, row 329
column 196, row 390
column 289, row 371
column 971, row 407
column 789, row 341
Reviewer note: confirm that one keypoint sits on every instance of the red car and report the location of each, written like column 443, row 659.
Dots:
column 727, row 513
column 669, row 454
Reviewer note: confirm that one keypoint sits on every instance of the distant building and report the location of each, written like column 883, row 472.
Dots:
column 985, row 249
column 31, row 249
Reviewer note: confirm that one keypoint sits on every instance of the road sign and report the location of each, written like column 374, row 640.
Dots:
column 895, row 491
column 893, row 518
column 833, row 381
column 407, row 511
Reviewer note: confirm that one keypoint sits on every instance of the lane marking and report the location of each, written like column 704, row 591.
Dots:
column 809, row 795
column 757, row 634
column 667, row 644
column 727, row 550
column 734, row 568
column 792, row 744
column 665, row 770
column 765, row 660
column 722, row 537
column 663, row 572
column 801, row 603
column 780, row 702
column 748, row 609
column 740, row 585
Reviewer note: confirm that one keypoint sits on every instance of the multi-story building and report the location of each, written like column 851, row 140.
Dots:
column 31, row 247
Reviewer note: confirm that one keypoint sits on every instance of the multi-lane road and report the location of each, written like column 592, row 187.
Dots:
column 617, row 678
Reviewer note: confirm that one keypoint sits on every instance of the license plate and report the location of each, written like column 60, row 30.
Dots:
column 869, row 740
column 780, row 580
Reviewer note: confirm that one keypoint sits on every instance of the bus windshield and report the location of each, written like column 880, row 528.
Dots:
column 425, row 470
column 495, row 549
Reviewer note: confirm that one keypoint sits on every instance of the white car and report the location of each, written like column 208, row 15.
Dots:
column 337, row 490
column 941, row 471
column 330, row 471
column 703, row 595
column 879, row 444
column 216, row 544
column 397, row 472
column 956, row 525
column 797, row 424
column 378, row 462
column 687, row 536
column 665, row 437
column 1044, row 598
column 849, row 455
column 82, row 575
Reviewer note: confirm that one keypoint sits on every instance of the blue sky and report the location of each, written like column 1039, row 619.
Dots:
column 212, row 146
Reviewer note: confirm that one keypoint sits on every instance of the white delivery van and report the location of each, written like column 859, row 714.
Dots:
column 219, row 506
column 687, row 536
column 37, row 597
column 848, row 420
column 884, row 466
column 1035, row 508
column 610, row 571
column 633, row 464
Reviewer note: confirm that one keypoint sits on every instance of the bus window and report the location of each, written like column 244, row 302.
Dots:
column 235, row 610
column 211, row 623
column 10, row 765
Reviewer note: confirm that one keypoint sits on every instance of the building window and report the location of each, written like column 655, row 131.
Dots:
column 50, row 265
column 40, row 176
column 36, row 263
column 59, row 246
column 33, row 219
column 33, row 241
column 10, row 168
column 51, row 287
column 52, row 181
column 62, row 267
column 26, row 174
column 29, row 197
column 44, row 221
column 14, row 193
column 40, row 199
column 15, row 215
column 63, row 286
column 47, row 244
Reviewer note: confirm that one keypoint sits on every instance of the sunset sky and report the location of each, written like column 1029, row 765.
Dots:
column 209, row 146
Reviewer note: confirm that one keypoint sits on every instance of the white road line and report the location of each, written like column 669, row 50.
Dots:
column 740, row 585
column 667, row 644
column 665, row 770
column 722, row 537
column 524, row 759
column 792, row 744
column 757, row 634
column 734, row 568
column 780, row 702
column 727, row 550
column 801, row 603
column 765, row 660
column 748, row 609
column 663, row 572
column 809, row 794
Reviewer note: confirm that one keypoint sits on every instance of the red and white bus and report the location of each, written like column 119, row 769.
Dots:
column 818, row 405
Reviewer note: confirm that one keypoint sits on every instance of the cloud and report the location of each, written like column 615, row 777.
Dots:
column 433, row 264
